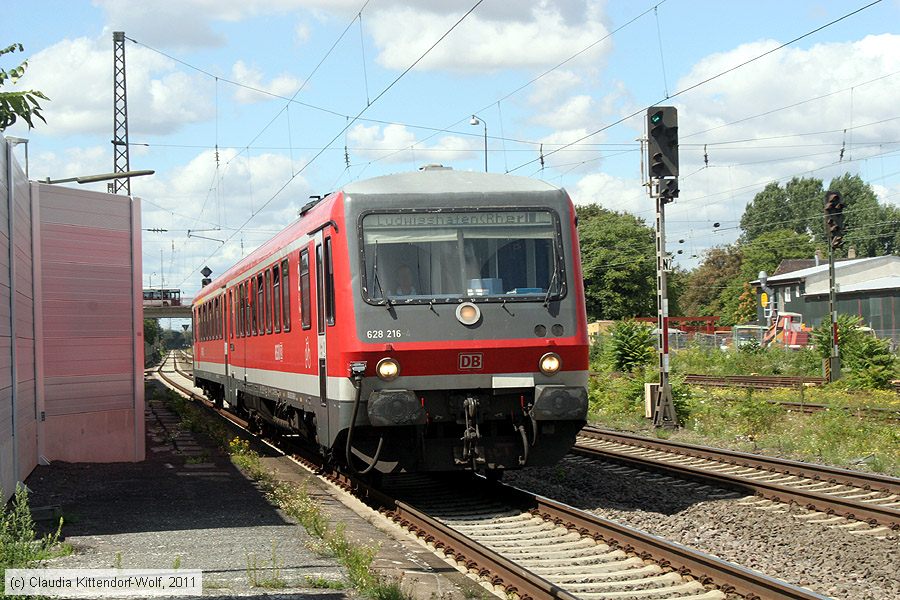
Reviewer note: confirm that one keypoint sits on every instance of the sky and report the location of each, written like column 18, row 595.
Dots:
column 245, row 108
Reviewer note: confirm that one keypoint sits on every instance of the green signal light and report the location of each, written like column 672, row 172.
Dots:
column 656, row 117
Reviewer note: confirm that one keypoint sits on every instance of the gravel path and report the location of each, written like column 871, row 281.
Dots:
column 831, row 556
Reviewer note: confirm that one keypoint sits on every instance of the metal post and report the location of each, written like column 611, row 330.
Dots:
column 834, row 373
column 120, row 115
column 485, row 146
column 663, row 405
column 13, row 333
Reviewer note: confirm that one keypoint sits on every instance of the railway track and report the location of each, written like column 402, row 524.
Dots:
column 868, row 497
column 759, row 382
column 533, row 548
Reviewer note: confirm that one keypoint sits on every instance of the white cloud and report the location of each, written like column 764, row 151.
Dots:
column 610, row 192
column 571, row 113
column 548, row 89
column 283, row 85
column 77, row 77
column 187, row 198
column 189, row 23
column 392, row 144
column 495, row 36
column 302, row 33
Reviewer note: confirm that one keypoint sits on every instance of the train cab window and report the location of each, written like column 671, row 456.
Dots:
column 276, row 299
column 491, row 255
column 329, row 283
column 305, row 322
column 268, row 301
column 285, row 295
column 260, row 304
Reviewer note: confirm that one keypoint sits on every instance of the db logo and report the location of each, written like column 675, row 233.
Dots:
column 470, row 360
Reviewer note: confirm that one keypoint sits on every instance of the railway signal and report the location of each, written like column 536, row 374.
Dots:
column 662, row 159
column 834, row 218
column 662, row 126
column 834, row 229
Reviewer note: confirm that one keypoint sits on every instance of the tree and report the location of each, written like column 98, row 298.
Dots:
column 868, row 224
column 14, row 105
column 618, row 263
column 704, row 287
column 152, row 331
column 797, row 206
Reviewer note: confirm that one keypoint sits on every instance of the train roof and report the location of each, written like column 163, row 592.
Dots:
column 436, row 179
column 432, row 179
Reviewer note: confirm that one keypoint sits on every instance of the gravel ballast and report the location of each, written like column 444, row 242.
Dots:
column 832, row 556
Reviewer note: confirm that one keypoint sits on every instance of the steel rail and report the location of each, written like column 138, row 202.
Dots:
column 706, row 568
column 850, row 508
column 514, row 579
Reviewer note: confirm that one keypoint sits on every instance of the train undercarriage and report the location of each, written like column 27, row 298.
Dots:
column 445, row 430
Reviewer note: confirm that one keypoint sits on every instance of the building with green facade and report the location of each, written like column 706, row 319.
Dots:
column 868, row 287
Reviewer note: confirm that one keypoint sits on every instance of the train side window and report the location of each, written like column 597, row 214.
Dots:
column 320, row 289
column 248, row 296
column 229, row 312
column 276, row 299
column 253, row 288
column 304, row 290
column 260, row 304
column 329, row 283
column 268, row 296
column 217, row 315
column 242, row 295
column 285, row 295
column 203, row 323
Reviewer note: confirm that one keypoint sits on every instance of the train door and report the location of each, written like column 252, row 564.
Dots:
column 322, row 413
column 228, row 338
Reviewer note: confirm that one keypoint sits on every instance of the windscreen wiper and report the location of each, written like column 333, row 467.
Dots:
column 387, row 300
column 553, row 281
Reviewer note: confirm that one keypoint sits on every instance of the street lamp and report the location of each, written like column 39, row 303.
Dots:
column 151, row 280
column 476, row 120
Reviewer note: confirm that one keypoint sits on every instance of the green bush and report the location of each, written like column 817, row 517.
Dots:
column 866, row 361
column 618, row 400
column 630, row 346
column 770, row 360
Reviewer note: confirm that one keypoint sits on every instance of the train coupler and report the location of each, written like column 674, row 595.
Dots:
column 472, row 434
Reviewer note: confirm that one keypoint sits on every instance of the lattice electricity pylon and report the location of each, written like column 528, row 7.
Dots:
column 120, row 116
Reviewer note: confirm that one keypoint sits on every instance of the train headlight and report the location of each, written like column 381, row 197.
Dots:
column 387, row 369
column 468, row 313
column 550, row 363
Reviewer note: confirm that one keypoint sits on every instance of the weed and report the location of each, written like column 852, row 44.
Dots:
column 118, row 562
column 176, row 564
column 18, row 545
column 294, row 500
column 323, row 583
column 274, row 580
column 197, row 460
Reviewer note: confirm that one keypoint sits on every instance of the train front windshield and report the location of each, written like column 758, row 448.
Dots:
column 427, row 256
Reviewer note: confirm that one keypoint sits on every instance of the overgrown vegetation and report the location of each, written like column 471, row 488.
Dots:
column 866, row 360
column 753, row 420
column 19, row 546
column 746, row 360
column 630, row 346
column 293, row 499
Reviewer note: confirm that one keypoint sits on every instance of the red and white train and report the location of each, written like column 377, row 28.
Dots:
column 425, row 321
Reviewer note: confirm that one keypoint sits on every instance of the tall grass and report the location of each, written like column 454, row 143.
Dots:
column 19, row 546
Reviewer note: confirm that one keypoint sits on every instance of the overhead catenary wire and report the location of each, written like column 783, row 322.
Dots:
column 347, row 126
